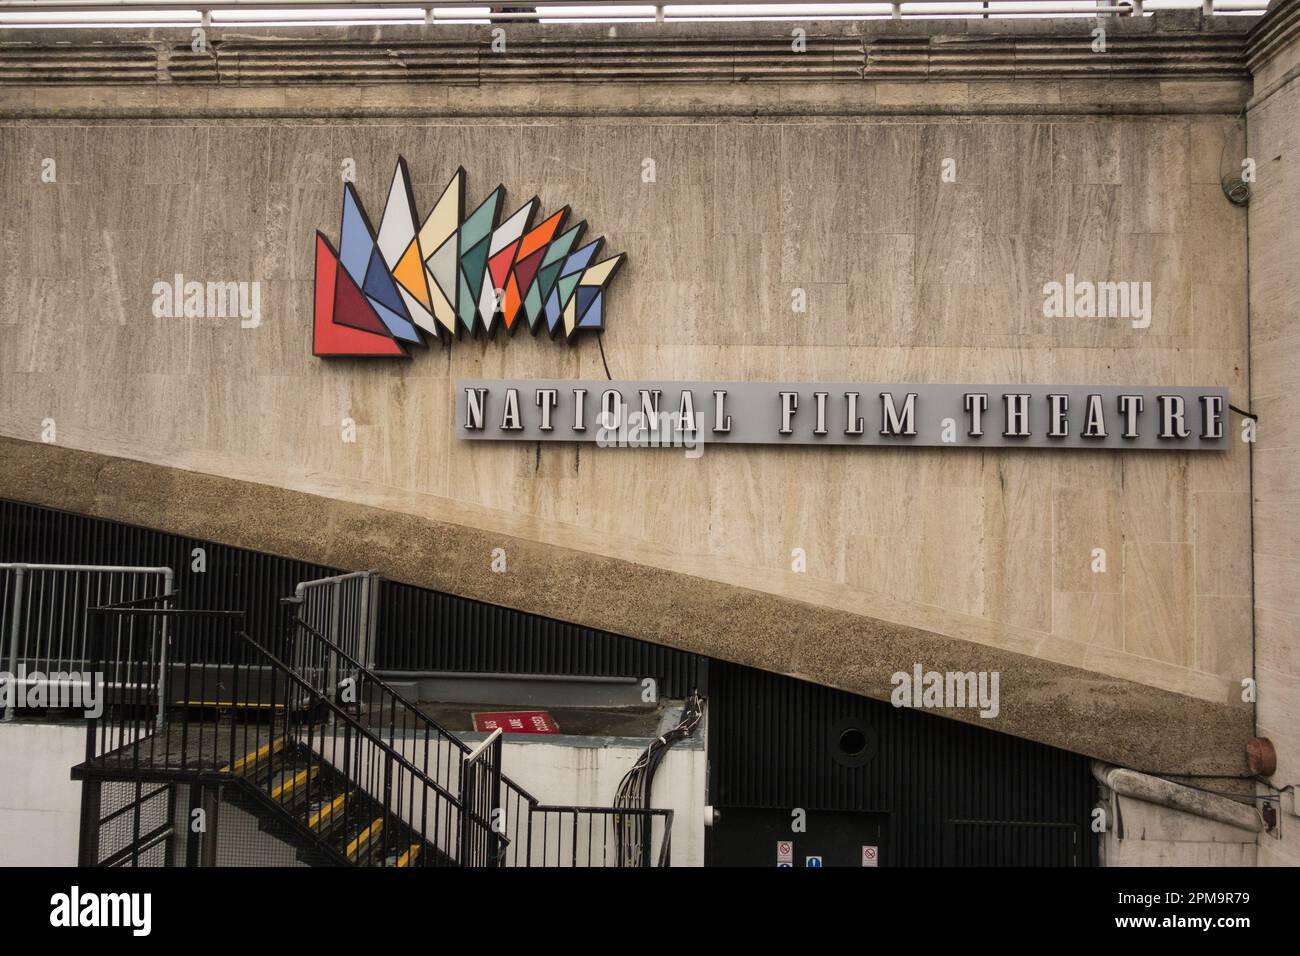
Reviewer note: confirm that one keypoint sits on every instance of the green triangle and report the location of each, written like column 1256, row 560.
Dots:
column 567, row 285
column 474, row 265
column 533, row 305
column 546, row 278
column 467, row 306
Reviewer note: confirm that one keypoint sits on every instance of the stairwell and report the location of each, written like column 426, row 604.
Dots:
column 300, row 734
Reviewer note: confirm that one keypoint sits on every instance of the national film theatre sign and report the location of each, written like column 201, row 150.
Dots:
column 460, row 273
column 671, row 414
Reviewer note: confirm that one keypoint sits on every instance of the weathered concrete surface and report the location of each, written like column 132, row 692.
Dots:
column 1111, row 719
column 1274, row 123
column 830, row 186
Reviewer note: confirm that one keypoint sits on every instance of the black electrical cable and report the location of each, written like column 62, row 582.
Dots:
column 635, row 787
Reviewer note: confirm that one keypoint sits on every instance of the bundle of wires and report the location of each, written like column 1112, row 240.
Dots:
column 632, row 830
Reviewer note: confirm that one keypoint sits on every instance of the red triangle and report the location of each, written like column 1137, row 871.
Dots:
column 527, row 270
column 499, row 265
column 332, row 298
column 351, row 308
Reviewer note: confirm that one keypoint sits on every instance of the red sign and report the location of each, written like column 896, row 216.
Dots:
column 516, row 722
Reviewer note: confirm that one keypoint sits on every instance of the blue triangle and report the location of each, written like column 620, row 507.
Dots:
column 355, row 241
column 594, row 316
column 379, row 285
column 400, row 327
column 580, row 259
column 553, row 312
column 585, row 295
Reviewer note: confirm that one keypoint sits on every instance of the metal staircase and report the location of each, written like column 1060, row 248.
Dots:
column 298, row 734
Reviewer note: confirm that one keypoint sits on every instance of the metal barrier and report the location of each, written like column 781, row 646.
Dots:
column 44, row 619
column 513, row 827
column 597, row 837
column 480, row 797
column 344, row 609
column 245, row 13
column 238, row 713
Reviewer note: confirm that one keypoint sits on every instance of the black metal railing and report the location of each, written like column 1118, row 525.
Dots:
column 480, row 795
column 600, row 837
column 335, row 672
column 190, row 692
column 527, row 832
column 188, row 695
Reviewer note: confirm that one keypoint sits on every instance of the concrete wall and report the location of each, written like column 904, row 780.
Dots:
column 835, row 189
column 1148, row 835
column 587, row 774
column 565, row 772
column 1274, row 121
column 40, row 804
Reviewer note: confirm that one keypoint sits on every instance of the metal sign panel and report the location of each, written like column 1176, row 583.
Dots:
column 516, row 722
column 635, row 414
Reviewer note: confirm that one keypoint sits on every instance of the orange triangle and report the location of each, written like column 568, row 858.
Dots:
column 540, row 236
column 410, row 273
column 512, row 301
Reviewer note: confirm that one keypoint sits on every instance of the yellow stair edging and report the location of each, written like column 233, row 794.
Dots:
column 255, row 756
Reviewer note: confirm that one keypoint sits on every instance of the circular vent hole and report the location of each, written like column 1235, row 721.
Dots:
column 853, row 742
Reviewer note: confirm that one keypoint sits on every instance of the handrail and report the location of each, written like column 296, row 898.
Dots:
column 93, row 568
column 469, row 754
column 338, row 713
column 419, row 715
column 221, row 666
column 487, row 741
column 564, row 9
column 373, row 678
column 45, row 585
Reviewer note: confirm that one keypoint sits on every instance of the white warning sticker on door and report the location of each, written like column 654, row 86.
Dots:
column 870, row 856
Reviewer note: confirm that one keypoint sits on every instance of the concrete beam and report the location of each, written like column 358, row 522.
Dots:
column 1107, row 718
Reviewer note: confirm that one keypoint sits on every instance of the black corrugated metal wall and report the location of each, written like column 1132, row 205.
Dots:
column 955, row 793
column 419, row 630
column 950, row 788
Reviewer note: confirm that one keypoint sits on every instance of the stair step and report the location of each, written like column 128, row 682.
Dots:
column 327, row 813
column 363, row 843
column 295, row 781
column 254, row 758
column 409, row 856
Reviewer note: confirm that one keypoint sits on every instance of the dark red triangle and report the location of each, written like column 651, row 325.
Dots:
column 352, row 309
column 329, row 338
column 526, row 270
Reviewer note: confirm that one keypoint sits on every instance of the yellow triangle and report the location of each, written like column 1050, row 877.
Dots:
column 442, row 222
column 442, row 309
column 410, row 273
column 571, row 314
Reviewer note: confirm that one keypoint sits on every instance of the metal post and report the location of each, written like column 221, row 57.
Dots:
column 462, row 841
column 494, row 805
column 162, row 650
column 363, row 624
column 88, row 848
column 13, row 643
column 336, row 590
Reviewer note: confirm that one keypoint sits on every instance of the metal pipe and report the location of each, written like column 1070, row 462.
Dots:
column 1175, row 796
column 425, row 9
column 13, row 642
